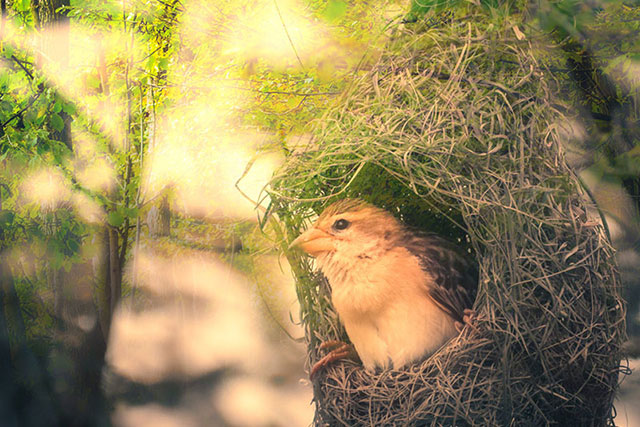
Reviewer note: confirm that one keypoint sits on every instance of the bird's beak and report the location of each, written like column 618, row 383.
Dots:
column 314, row 242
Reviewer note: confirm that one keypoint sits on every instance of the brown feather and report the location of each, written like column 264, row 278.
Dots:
column 455, row 276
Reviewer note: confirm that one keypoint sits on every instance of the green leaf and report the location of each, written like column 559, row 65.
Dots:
column 32, row 141
column 335, row 10
column 5, row 79
column 7, row 50
column 23, row 6
column 163, row 62
column 419, row 8
column 57, row 106
column 56, row 122
column 72, row 245
column 131, row 212
column 93, row 82
column 152, row 61
column 115, row 219
column 69, row 108
column 6, row 106
column 6, row 217
column 57, row 259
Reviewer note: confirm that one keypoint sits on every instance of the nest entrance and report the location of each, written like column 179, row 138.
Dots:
column 463, row 121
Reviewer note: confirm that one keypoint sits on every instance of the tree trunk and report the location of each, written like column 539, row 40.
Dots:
column 11, row 312
column 53, row 24
column 25, row 394
column 115, row 272
column 7, row 411
column 159, row 218
column 24, row 387
column 78, row 356
column 109, row 279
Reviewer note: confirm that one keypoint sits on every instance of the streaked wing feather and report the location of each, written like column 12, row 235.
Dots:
column 455, row 275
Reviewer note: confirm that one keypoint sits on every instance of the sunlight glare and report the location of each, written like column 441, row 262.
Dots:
column 46, row 188
column 88, row 210
column 260, row 33
column 202, row 156
column 97, row 175
column 208, row 322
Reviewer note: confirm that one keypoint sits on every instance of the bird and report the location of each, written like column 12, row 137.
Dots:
column 401, row 293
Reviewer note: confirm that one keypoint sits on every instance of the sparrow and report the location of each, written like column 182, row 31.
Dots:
column 400, row 293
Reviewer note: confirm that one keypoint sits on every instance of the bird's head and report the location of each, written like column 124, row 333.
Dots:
column 350, row 229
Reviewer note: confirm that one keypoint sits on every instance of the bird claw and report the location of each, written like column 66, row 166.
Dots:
column 331, row 344
column 468, row 318
column 340, row 350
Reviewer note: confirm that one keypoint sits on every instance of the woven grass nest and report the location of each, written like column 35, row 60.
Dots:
column 456, row 128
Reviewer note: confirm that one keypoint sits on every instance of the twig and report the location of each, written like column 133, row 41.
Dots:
column 22, row 66
column 275, row 2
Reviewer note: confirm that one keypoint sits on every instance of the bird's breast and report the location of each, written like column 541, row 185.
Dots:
column 368, row 284
column 384, row 304
column 358, row 289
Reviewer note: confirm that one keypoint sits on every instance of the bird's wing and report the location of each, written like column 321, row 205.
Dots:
column 455, row 275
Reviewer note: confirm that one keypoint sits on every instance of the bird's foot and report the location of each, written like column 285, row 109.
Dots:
column 468, row 318
column 339, row 350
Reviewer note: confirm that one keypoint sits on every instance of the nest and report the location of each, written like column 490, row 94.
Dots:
column 456, row 128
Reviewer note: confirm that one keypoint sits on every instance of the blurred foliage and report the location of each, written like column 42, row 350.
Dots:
column 601, row 65
column 147, row 63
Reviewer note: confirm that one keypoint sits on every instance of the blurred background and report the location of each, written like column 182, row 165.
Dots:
column 140, row 281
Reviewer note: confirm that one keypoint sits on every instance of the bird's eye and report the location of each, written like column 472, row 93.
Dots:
column 341, row 224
